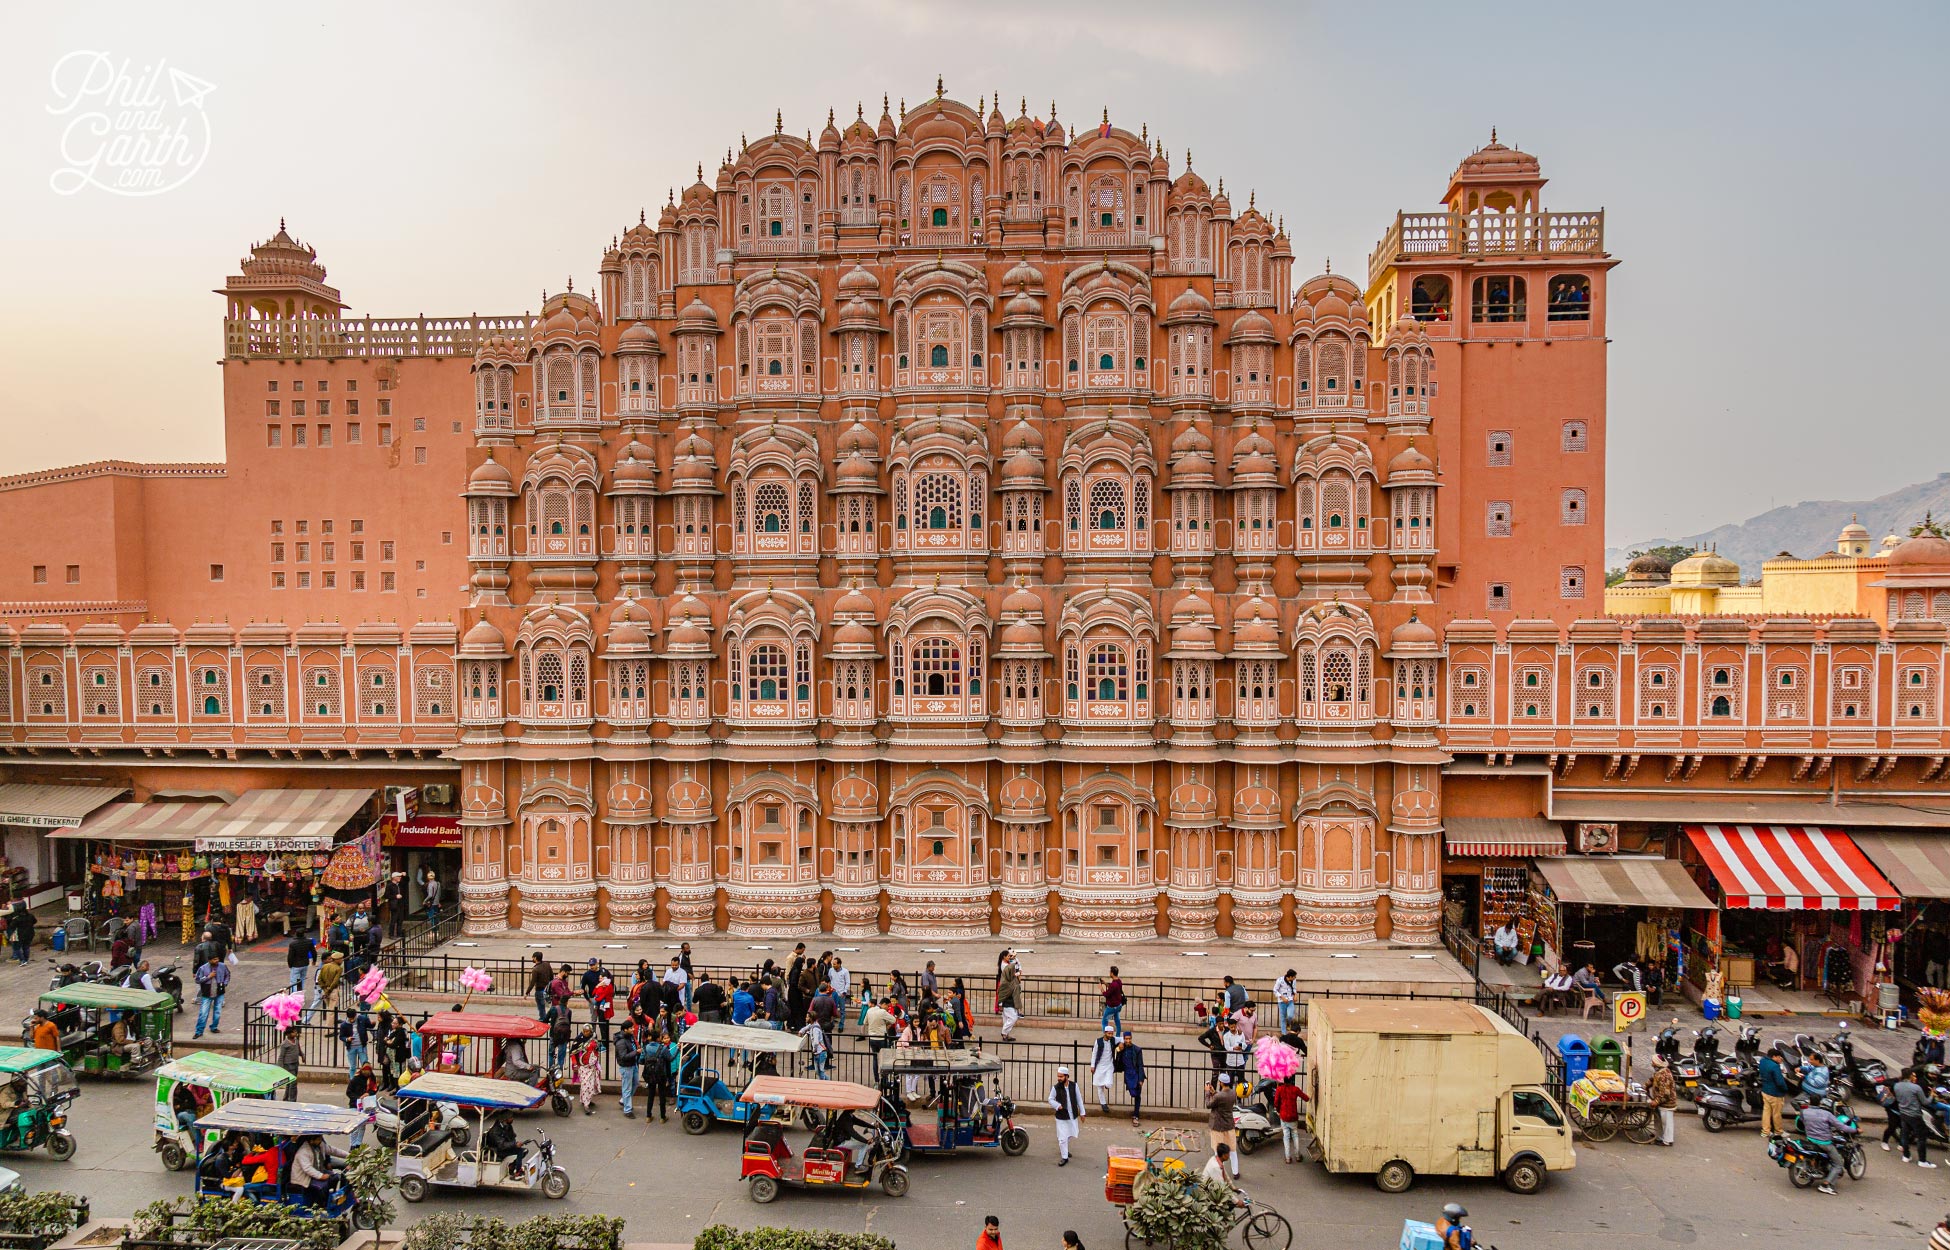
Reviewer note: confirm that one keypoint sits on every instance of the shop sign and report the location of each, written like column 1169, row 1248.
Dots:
column 421, row 832
column 37, row 820
column 293, row 842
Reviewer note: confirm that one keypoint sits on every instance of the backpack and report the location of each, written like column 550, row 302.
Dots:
column 558, row 1029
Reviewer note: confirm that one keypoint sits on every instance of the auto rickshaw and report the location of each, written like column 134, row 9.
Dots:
column 36, row 1087
column 965, row 1108
column 191, row 1087
column 107, row 1029
column 488, row 1157
column 846, row 1148
column 704, row 1096
column 268, row 1135
column 491, row 1044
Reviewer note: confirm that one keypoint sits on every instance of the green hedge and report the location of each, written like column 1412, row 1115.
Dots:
column 725, row 1237
column 449, row 1230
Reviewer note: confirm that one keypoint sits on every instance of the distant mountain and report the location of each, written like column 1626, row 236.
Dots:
column 1809, row 528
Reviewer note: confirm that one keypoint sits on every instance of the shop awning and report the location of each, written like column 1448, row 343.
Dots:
column 1791, row 867
column 1622, row 882
column 1503, row 837
column 53, row 807
column 1917, row 864
column 148, row 822
column 1668, row 806
column 284, row 820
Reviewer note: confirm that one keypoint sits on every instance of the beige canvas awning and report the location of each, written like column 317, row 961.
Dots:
column 1513, row 837
column 156, row 823
column 1666, row 807
column 1622, row 882
column 53, row 807
column 283, row 820
column 1917, row 864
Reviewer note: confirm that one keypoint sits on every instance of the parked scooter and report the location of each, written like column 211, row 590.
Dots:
column 1704, row 1061
column 1254, row 1119
column 1723, row 1104
column 1854, row 1076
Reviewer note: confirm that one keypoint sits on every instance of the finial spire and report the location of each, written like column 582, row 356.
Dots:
column 1492, row 134
column 829, row 115
column 280, row 223
column 940, row 86
column 1106, row 114
column 778, row 121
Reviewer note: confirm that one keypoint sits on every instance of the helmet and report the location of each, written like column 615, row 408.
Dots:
column 1453, row 1212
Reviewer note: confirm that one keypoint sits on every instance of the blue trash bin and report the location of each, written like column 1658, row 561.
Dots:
column 1576, row 1054
column 58, row 940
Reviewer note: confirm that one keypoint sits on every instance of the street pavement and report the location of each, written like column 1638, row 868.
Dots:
column 1719, row 1189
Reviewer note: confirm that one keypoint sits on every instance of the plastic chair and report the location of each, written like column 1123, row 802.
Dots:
column 78, row 932
column 1593, row 1001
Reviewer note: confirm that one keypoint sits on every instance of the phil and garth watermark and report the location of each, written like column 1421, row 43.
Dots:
column 130, row 129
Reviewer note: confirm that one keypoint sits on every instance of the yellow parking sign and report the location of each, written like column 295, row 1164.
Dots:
column 1628, row 1009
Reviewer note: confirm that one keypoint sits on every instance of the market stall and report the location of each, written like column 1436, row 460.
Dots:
column 1612, row 906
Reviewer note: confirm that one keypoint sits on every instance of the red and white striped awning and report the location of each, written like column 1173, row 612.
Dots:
column 1792, row 867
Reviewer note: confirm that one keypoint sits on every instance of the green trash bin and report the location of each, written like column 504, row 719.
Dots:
column 1607, row 1053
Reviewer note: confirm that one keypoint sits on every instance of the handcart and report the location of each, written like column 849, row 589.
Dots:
column 1602, row 1105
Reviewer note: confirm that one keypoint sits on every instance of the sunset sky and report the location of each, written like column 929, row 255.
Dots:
column 1772, row 175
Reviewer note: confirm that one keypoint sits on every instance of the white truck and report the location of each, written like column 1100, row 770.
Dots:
column 1441, row 1087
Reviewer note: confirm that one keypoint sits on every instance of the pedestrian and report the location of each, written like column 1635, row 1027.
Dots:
column 1214, row 1172
column 1774, row 1091
column 629, row 1061
column 396, row 904
column 1286, row 1100
column 816, row 1044
column 743, row 1004
column 881, row 1028
column 1665, row 1096
column 1008, row 997
column 1103, row 1062
column 822, row 1010
column 47, row 1034
column 560, row 1029
column 360, row 1049
column 1111, row 991
column 675, row 980
column 433, row 899
column 708, row 999
column 1906, row 1103
column 591, row 974
column 212, row 981
column 1071, row 1241
column 1234, row 1042
column 326, row 987
column 1247, row 1022
column 20, row 930
column 991, row 1236
column 840, row 981
column 958, row 998
column 1130, row 1061
column 588, row 1061
column 602, row 1006
column 559, row 992
column 1063, row 1101
column 1235, row 996
column 1219, row 1104
column 656, row 1077
column 291, row 1057
column 298, row 957
column 360, row 1085
column 538, row 978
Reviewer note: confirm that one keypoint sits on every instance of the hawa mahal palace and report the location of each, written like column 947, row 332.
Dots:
column 951, row 525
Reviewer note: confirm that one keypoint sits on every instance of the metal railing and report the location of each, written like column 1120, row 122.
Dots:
column 1487, row 234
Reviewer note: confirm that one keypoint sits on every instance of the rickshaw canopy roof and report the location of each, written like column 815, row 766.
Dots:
column 286, row 1119
column 107, row 997
column 938, row 1062
column 483, row 1024
column 231, row 1072
column 795, row 1091
column 743, row 1037
column 473, row 1091
column 18, row 1059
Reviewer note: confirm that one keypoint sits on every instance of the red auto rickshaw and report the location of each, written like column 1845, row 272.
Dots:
column 845, row 1146
column 492, row 1044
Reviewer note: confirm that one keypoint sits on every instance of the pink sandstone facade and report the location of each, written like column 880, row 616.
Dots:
column 950, row 526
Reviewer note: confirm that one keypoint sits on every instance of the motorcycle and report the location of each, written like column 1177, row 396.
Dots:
column 1852, row 1075
column 1705, row 1060
column 1806, row 1164
column 1254, row 1119
column 1723, row 1104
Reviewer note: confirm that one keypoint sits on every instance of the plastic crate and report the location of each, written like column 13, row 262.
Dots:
column 1119, row 1195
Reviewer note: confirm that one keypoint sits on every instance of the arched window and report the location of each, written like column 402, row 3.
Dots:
column 1107, row 505
column 769, row 508
column 938, row 354
column 765, row 672
column 1430, row 298
column 1570, row 297
column 212, row 706
column 1498, row 298
column 1108, row 675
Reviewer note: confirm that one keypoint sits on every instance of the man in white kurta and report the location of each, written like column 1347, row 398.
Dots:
column 1103, row 1063
column 1068, row 1108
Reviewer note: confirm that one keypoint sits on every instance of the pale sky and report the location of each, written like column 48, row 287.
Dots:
column 1772, row 174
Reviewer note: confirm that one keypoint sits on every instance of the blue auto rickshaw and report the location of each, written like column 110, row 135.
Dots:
column 715, row 1062
column 270, row 1134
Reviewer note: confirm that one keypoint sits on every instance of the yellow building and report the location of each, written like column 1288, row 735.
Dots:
column 1708, row 584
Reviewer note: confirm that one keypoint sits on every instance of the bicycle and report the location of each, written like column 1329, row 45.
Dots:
column 1260, row 1226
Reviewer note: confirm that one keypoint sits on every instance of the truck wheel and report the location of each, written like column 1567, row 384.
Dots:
column 61, row 1145
column 764, row 1189
column 695, row 1123
column 1525, row 1176
column 413, row 1188
column 1394, row 1177
column 174, row 1157
column 1015, row 1141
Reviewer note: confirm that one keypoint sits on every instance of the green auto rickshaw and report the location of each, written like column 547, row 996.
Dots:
column 106, row 1029
column 36, row 1087
column 189, row 1088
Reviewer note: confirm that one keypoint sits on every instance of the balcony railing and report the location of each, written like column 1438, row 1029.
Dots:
column 321, row 337
column 1488, row 234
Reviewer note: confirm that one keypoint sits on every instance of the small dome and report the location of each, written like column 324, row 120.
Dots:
column 685, row 630
column 1649, row 565
column 1189, row 302
column 1255, row 627
column 853, row 603
column 697, row 315
column 856, row 470
column 1020, row 469
column 1330, row 304
column 491, row 475
column 626, row 629
column 1923, row 549
column 692, row 469
column 483, row 639
column 1192, row 636
column 639, row 337
column 1252, row 327
column 1410, row 460
column 1412, row 633
column 853, row 636
column 1191, row 438
column 859, row 281
column 632, row 471
column 1022, row 600
column 1855, row 531
column 1498, row 160
column 1022, row 305
column 1706, row 568
column 1023, row 274
column 1022, row 436
column 1022, row 635
column 1190, row 607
